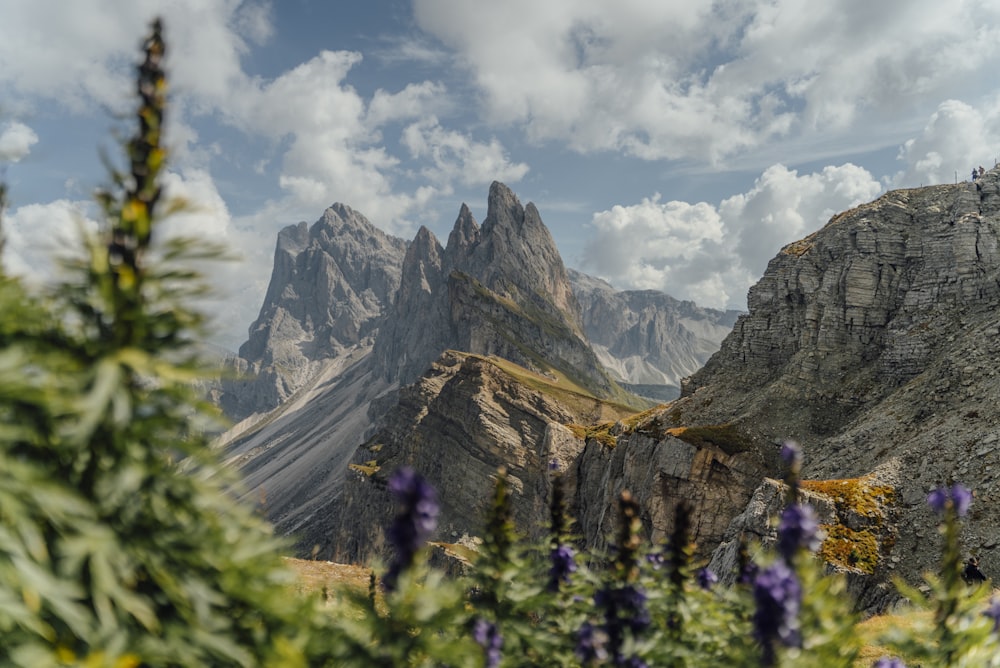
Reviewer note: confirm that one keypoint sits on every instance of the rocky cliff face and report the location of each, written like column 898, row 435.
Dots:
column 330, row 286
column 469, row 415
column 648, row 340
column 873, row 342
column 464, row 418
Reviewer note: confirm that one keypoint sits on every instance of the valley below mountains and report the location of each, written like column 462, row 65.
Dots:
column 872, row 342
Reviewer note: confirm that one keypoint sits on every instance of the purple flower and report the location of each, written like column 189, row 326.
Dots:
column 778, row 597
column 938, row 500
column 889, row 662
column 416, row 521
column 590, row 644
column 554, row 465
column 959, row 496
column 634, row 662
column 626, row 605
column 706, row 578
column 563, row 564
column 417, row 498
column 655, row 559
column 962, row 498
column 748, row 573
column 487, row 635
column 798, row 528
column 993, row 612
column 624, row 608
column 791, row 453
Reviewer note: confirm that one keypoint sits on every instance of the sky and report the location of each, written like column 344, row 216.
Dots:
column 670, row 145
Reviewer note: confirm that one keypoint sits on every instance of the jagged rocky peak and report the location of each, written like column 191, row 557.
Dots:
column 500, row 289
column 464, row 235
column 330, row 285
column 423, row 263
column 516, row 257
column 417, row 329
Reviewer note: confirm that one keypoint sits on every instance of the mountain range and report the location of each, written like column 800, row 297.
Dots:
column 352, row 315
column 871, row 342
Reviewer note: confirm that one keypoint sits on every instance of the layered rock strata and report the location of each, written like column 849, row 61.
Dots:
column 874, row 342
column 469, row 415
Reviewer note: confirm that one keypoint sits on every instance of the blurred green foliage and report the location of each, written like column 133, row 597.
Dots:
column 120, row 542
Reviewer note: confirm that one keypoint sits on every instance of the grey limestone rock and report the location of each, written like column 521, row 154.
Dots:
column 500, row 289
column 329, row 288
column 874, row 341
column 647, row 339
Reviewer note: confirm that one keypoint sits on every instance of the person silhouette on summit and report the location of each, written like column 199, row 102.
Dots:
column 971, row 574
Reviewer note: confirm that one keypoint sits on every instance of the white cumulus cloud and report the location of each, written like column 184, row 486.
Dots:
column 957, row 138
column 36, row 236
column 454, row 157
column 16, row 140
column 713, row 254
column 705, row 80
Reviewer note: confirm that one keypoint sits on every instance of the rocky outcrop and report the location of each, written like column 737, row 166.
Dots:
column 330, row 285
column 859, row 526
column 663, row 468
column 646, row 339
column 464, row 418
column 874, row 342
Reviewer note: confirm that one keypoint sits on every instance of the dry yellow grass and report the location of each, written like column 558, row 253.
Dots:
column 873, row 628
column 313, row 576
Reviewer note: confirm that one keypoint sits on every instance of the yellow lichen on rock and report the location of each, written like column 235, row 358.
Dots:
column 860, row 536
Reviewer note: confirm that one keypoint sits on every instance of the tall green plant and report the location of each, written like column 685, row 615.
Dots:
column 120, row 541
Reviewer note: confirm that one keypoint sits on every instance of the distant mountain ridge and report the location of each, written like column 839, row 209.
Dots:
column 646, row 339
column 336, row 283
column 331, row 349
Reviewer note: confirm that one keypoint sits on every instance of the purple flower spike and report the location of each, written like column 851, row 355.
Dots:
column 798, row 528
column 938, row 500
column 993, row 612
column 563, row 565
column 959, row 495
column 487, row 635
column 889, row 662
column 590, row 644
column 791, row 453
column 962, row 498
column 778, row 597
column 416, row 521
column 706, row 578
